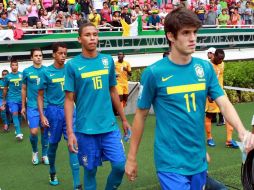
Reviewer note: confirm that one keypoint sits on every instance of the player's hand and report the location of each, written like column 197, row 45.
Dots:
column 126, row 127
column 2, row 107
column 209, row 99
column 44, row 121
column 23, row 113
column 248, row 140
column 131, row 169
column 72, row 143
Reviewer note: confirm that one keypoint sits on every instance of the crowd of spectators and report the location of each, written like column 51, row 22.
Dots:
column 62, row 14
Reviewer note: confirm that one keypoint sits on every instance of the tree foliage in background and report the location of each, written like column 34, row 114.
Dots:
column 236, row 74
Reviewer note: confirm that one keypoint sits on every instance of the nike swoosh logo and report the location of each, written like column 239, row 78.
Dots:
column 51, row 75
column 80, row 68
column 165, row 79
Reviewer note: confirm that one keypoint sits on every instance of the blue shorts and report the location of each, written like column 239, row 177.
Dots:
column 172, row 181
column 57, row 124
column 93, row 149
column 14, row 107
column 1, row 102
column 33, row 118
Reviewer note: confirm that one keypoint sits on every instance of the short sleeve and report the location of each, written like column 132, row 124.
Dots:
column 129, row 67
column 43, row 80
column 24, row 77
column 147, row 90
column 112, row 74
column 6, row 81
column 69, row 77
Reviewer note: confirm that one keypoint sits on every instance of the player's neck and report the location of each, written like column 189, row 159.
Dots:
column 89, row 54
column 36, row 66
column 14, row 72
column 58, row 66
column 179, row 58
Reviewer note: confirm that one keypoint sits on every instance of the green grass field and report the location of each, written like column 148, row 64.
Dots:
column 18, row 173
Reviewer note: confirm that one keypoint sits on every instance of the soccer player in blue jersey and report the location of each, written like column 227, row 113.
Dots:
column 177, row 87
column 90, row 82
column 2, row 106
column 51, row 84
column 30, row 110
column 12, row 95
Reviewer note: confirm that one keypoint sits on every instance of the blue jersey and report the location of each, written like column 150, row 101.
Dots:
column 1, row 88
column 90, row 79
column 31, row 80
column 178, row 95
column 14, row 84
column 52, row 81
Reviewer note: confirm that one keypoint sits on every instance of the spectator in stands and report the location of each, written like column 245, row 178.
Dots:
column 114, row 7
column 241, row 7
column 24, row 24
column 126, row 15
column 52, row 18
column 235, row 18
column 200, row 12
column 248, row 14
column 135, row 13
column 40, row 13
column 4, row 20
column 60, row 16
column 74, row 20
column 59, row 26
column 154, row 20
column 211, row 17
column 223, row 18
column 12, row 13
column 39, row 25
column 162, row 15
column 2, row 9
column 106, row 12
column 86, row 5
column 223, row 4
column 62, row 6
column 71, row 6
column 77, row 7
column 32, row 10
column 47, row 5
column 68, row 21
column 218, row 6
column 231, row 8
column 45, row 18
column 21, row 8
column 10, row 25
column 116, row 19
column 81, row 20
column 105, row 26
column 94, row 18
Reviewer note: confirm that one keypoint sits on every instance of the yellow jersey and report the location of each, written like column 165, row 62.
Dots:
column 122, row 76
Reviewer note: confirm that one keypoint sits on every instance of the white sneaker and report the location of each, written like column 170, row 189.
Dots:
column 45, row 160
column 19, row 137
column 35, row 159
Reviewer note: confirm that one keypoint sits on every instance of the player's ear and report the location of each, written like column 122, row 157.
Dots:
column 170, row 37
column 79, row 40
column 53, row 55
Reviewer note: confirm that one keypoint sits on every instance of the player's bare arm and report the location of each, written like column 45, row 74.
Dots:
column 116, row 102
column 68, row 109
column 131, row 167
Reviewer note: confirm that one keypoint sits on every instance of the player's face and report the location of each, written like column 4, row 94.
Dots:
column 185, row 41
column 218, row 59
column 210, row 55
column 89, row 38
column 120, row 56
column 60, row 55
column 37, row 57
column 4, row 74
column 14, row 67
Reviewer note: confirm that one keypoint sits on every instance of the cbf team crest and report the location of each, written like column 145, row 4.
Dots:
column 105, row 62
column 199, row 71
